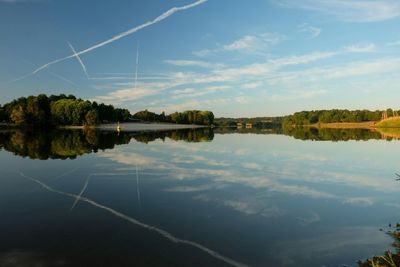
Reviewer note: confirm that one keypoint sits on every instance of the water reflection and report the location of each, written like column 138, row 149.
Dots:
column 68, row 144
column 321, row 134
column 326, row 134
column 261, row 199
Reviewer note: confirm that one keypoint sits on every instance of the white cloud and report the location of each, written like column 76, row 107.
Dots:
column 196, row 104
column 252, row 165
column 354, row 69
column 245, row 42
column 312, row 31
column 190, row 92
column 359, row 201
column 302, row 59
column 242, row 99
column 252, row 85
column 127, row 92
column 294, row 82
column 350, row 11
column 253, row 43
column 184, row 91
column 367, row 48
column 132, row 159
column 297, row 94
column 202, row 53
column 395, row 43
column 123, row 95
column 193, row 63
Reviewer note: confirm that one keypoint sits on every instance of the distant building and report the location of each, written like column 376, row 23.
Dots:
column 239, row 125
column 249, row 125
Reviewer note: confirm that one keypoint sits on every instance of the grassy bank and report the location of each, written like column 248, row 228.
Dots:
column 345, row 125
column 393, row 122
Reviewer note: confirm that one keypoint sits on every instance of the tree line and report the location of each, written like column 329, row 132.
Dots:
column 43, row 110
column 187, row 117
column 55, row 110
column 257, row 122
column 334, row 116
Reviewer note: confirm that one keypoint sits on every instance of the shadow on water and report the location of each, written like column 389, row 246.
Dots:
column 326, row 134
column 321, row 134
column 68, row 144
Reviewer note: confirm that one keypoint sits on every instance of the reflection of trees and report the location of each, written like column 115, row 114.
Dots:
column 68, row 144
column 389, row 259
column 254, row 130
column 55, row 144
column 189, row 135
column 326, row 134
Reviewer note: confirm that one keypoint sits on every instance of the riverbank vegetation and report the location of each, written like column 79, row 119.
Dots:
column 256, row 122
column 62, row 110
column 334, row 116
column 389, row 258
column 393, row 122
column 198, row 117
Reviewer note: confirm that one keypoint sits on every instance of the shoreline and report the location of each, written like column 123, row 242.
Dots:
column 138, row 127
column 124, row 127
column 345, row 125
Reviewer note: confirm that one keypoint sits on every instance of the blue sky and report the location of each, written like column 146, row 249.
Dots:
column 234, row 57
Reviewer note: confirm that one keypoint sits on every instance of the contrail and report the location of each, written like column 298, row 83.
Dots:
column 160, row 231
column 50, row 72
column 137, row 65
column 163, row 16
column 65, row 173
column 62, row 78
column 79, row 59
column 85, row 185
column 78, row 197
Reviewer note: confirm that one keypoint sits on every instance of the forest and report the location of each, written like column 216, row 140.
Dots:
column 62, row 110
column 335, row 116
column 187, row 117
column 257, row 122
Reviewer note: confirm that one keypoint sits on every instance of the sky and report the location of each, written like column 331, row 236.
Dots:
column 236, row 58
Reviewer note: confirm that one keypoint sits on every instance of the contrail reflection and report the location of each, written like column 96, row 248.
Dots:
column 160, row 231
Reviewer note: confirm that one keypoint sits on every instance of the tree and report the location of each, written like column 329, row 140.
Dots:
column 91, row 117
column 18, row 115
column 3, row 116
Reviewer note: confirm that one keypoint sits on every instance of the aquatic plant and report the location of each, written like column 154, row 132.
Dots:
column 389, row 259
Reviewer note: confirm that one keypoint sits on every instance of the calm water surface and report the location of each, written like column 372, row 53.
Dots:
column 195, row 198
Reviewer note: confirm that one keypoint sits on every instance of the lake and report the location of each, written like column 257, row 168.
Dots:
column 197, row 197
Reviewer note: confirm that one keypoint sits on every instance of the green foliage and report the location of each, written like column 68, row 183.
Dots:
column 257, row 122
column 389, row 258
column 39, row 111
column 331, row 116
column 91, row 117
column 145, row 115
column 187, row 117
column 389, row 123
column 18, row 115
column 68, row 144
column 327, row 134
column 69, row 111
